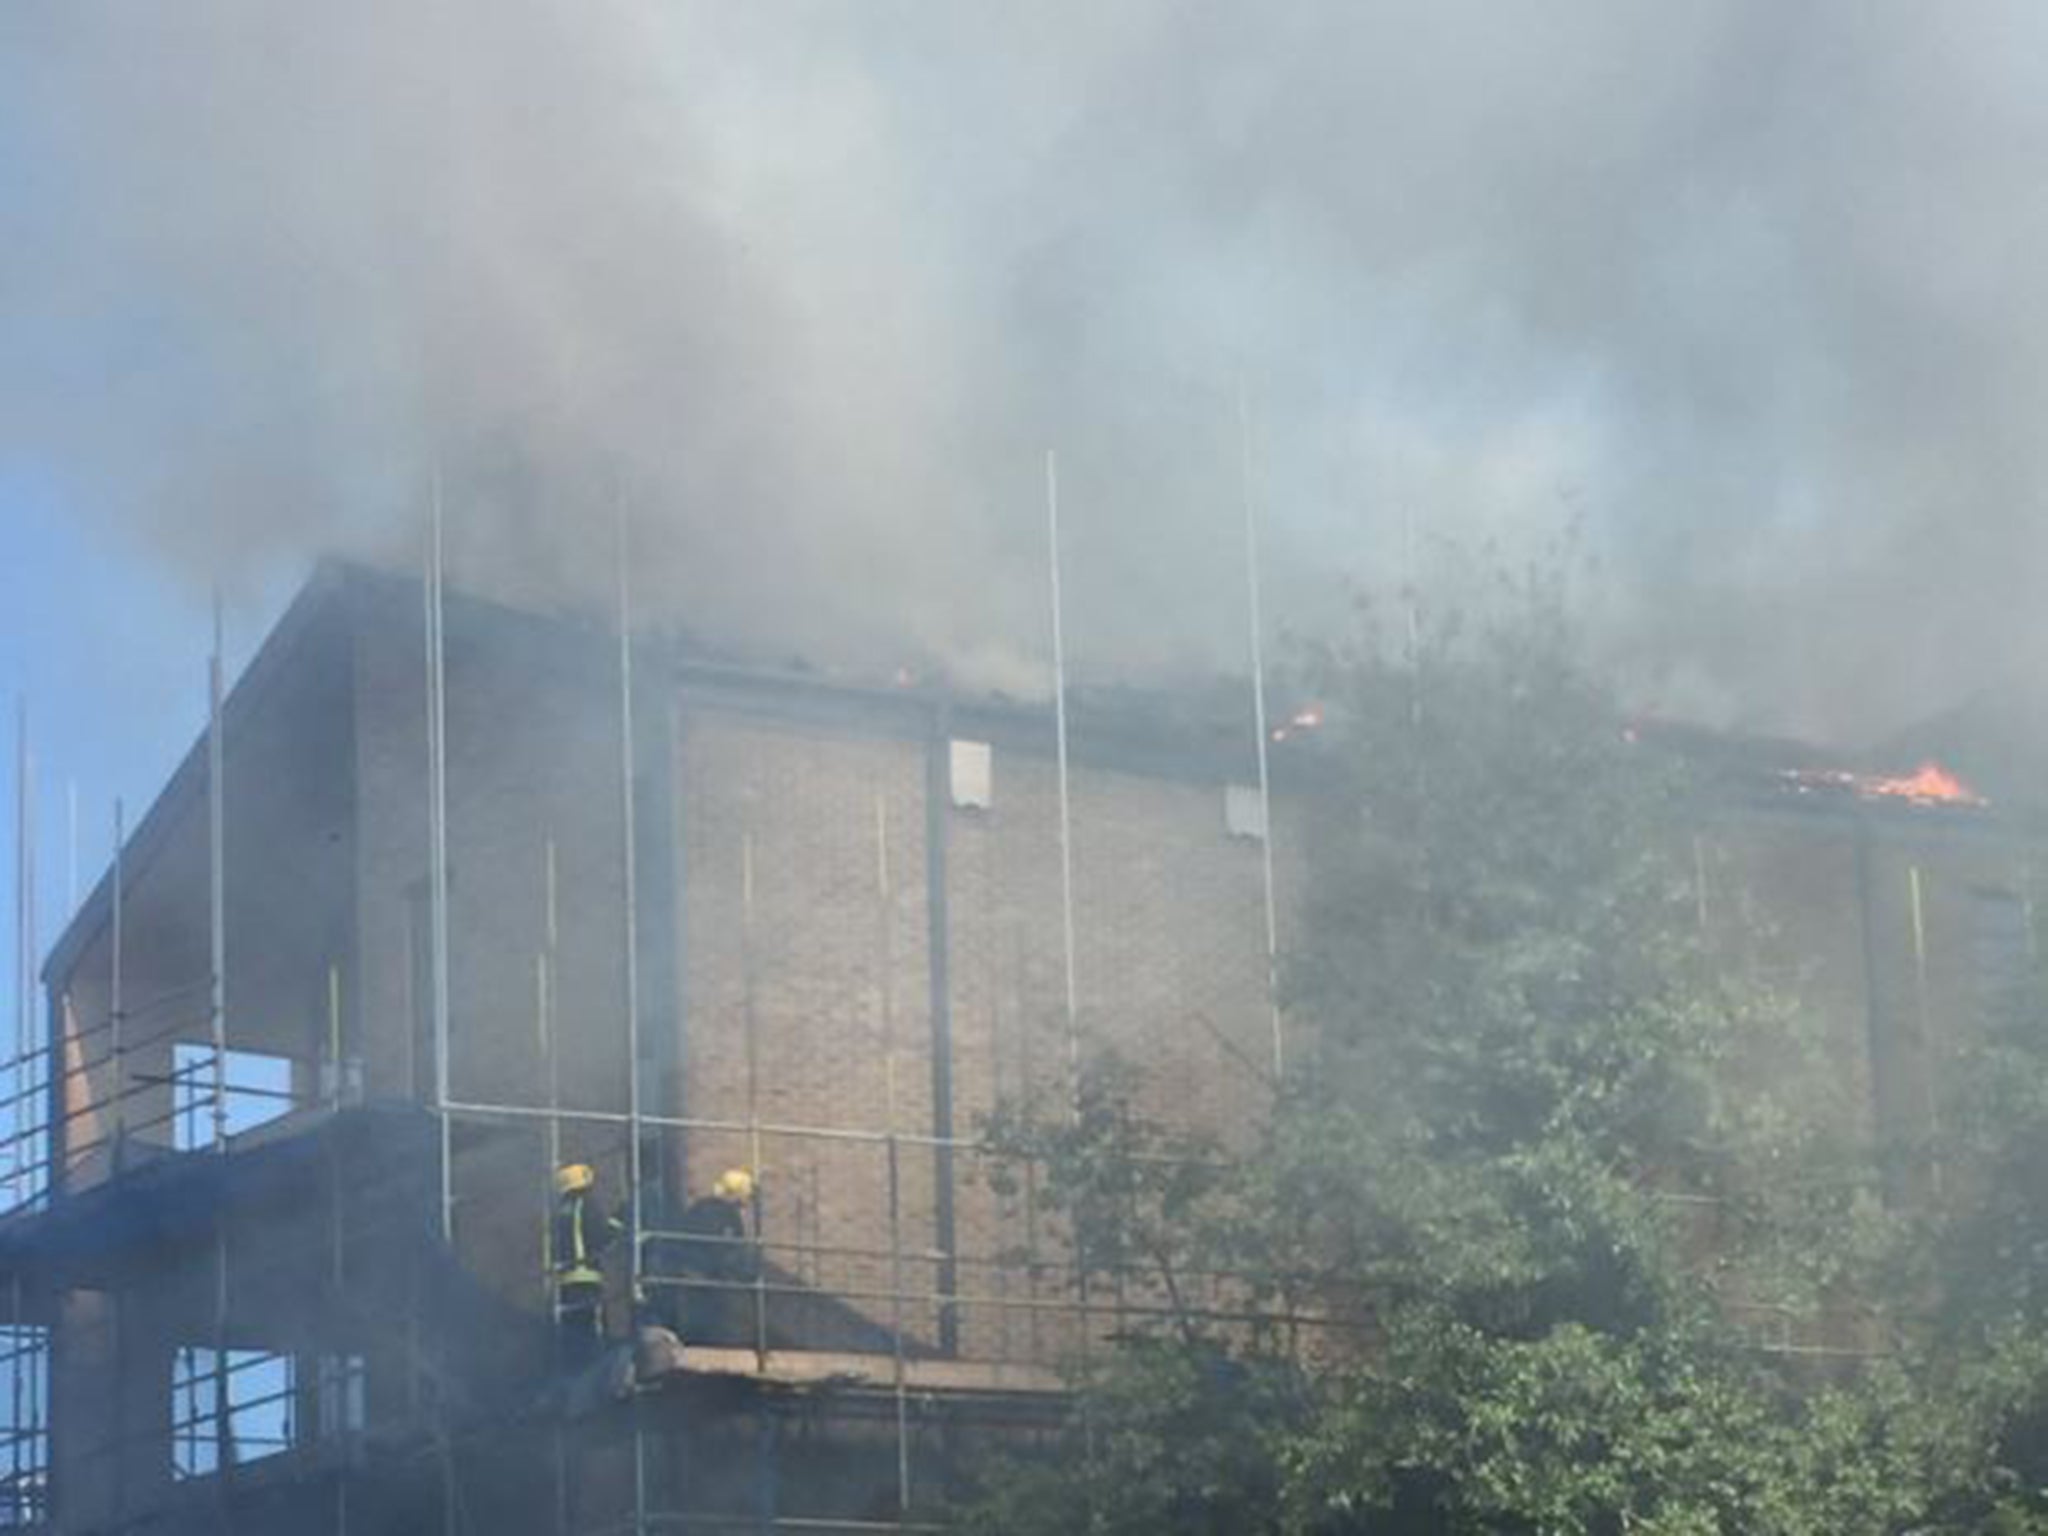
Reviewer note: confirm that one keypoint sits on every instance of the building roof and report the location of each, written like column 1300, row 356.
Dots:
column 1194, row 731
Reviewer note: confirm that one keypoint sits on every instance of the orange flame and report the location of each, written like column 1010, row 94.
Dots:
column 1930, row 784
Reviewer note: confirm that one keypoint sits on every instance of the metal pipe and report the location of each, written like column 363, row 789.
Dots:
column 544, row 980
column 216, row 842
column 753, row 1121
column 938, row 941
column 631, row 891
column 70, row 847
column 24, row 878
column 1260, row 727
column 763, row 1128
column 334, row 1054
column 1930, row 1088
column 223, row 1423
column 25, row 974
column 117, row 901
column 1059, row 695
column 437, row 896
column 1876, row 1017
column 38, row 1415
column 14, row 1391
column 896, row 1284
column 1083, row 1309
column 337, row 1258
column 885, row 950
column 437, row 840
column 629, row 861
column 885, row 915
column 21, row 945
column 544, row 972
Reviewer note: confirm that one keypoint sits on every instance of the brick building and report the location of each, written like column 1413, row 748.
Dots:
column 287, row 1265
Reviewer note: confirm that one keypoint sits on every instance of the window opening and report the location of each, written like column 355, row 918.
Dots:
column 252, row 1400
column 258, row 1089
column 24, row 1410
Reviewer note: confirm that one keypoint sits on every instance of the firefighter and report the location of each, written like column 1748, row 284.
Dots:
column 715, row 1249
column 580, row 1240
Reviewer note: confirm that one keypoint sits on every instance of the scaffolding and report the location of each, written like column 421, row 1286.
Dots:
column 394, row 1350
column 279, row 1395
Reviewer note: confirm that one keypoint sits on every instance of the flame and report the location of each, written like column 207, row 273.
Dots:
column 1929, row 784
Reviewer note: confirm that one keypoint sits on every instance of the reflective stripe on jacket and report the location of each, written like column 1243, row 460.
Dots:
column 575, row 1249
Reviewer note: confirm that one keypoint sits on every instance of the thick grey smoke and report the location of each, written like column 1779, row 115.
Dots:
column 1749, row 289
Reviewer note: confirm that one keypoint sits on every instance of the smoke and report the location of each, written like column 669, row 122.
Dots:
column 1747, row 290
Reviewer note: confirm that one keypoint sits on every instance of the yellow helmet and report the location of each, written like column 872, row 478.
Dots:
column 574, row 1178
column 734, row 1184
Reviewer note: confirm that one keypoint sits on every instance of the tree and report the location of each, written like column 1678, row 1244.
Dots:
column 1549, row 1146
column 1984, row 1248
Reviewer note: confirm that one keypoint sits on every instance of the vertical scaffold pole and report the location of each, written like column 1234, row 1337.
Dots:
column 31, row 937
column 437, row 897
column 24, row 879
column 70, row 848
column 1929, row 1068
column 544, row 1014
column 1073, row 1008
column 437, row 847
column 630, row 867
column 24, row 954
column 1059, row 697
column 630, row 882
column 20, row 1122
column 750, row 1019
column 886, row 950
column 1260, row 726
column 216, row 843
column 336, row 1088
column 117, row 1036
column 17, row 1394
column 544, row 977
column 896, row 1284
column 343, row 1367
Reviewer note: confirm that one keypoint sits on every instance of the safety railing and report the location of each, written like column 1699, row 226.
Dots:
column 41, row 1146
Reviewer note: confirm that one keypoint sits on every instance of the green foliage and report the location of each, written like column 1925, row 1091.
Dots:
column 1549, row 1142
column 1993, row 1247
column 1133, row 1196
column 1174, row 1436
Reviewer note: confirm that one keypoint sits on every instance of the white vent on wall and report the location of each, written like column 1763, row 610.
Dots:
column 1244, row 811
column 973, row 775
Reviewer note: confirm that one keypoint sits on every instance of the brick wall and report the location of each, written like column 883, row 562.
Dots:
column 533, row 761
column 1170, row 972
column 806, row 976
column 805, row 922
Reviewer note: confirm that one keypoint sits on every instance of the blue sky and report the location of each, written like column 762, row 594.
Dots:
column 109, row 651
